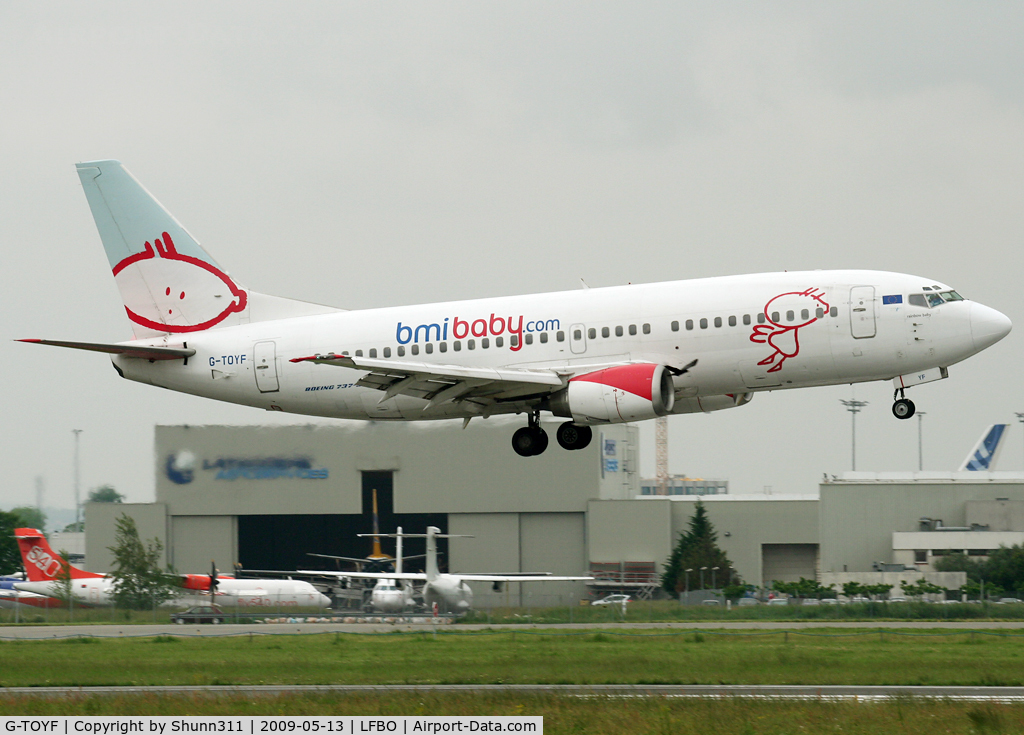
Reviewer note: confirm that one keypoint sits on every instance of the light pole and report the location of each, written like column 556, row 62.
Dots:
column 854, row 407
column 78, row 505
column 713, row 570
column 702, row 578
column 687, row 572
column 920, row 445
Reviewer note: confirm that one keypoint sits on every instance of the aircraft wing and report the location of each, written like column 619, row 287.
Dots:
column 412, row 576
column 518, row 578
column 146, row 352
column 441, row 384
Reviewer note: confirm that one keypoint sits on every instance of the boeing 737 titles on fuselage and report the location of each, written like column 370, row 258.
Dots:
column 592, row 356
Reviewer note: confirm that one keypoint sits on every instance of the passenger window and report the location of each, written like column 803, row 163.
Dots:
column 387, row 352
column 359, row 353
column 373, row 352
column 485, row 343
column 689, row 324
column 746, row 318
column 732, row 321
column 917, row 299
column 498, row 342
column 604, row 331
column 514, row 340
column 790, row 316
column 618, row 331
column 805, row 315
column 401, row 352
column 819, row 312
column 647, row 329
column 703, row 323
column 760, row 318
column 457, row 346
column 415, row 350
column 560, row 336
column 632, row 330
column 344, row 353
column 443, row 346
column 529, row 339
column 775, row 317
column 429, row 347
column 834, row 311
column 718, row 321
column 544, row 337
column 471, row 344
column 592, row 333
column 675, row 326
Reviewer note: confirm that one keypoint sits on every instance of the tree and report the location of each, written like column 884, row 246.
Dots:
column 139, row 583
column 10, row 557
column 696, row 548
column 30, row 517
column 105, row 494
column 62, row 587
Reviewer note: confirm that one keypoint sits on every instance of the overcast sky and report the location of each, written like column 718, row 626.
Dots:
column 369, row 154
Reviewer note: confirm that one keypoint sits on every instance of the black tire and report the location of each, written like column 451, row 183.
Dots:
column 529, row 441
column 573, row 436
column 903, row 408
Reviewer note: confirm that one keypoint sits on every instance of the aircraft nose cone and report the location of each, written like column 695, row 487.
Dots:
column 988, row 326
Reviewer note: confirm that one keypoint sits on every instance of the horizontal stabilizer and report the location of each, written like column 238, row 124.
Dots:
column 144, row 352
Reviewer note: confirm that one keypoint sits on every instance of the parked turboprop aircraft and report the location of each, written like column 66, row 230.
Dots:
column 593, row 356
column 11, row 598
column 450, row 591
column 43, row 566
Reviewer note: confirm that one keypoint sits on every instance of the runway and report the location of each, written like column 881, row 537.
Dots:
column 50, row 632
column 768, row 692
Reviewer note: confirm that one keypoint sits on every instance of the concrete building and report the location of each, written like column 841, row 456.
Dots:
column 265, row 497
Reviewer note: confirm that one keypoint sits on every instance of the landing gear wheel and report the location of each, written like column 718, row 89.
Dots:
column 573, row 436
column 530, row 441
column 903, row 408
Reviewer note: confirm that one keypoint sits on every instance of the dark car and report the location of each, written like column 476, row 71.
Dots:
column 199, row 614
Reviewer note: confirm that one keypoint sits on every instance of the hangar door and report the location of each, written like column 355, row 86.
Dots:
column 788, row 562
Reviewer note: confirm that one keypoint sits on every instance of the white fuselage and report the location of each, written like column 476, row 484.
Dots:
column 390, row 595
column 864, row 334
column 264, row 593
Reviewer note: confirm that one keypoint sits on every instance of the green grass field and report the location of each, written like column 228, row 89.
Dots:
column 526, row 657
column 614, row 656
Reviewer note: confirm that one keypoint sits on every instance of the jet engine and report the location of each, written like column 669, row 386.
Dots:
column 616, row 394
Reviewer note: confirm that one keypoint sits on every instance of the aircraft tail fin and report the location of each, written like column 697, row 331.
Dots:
column 168, row 282
column 43, row 564
column 983, row 456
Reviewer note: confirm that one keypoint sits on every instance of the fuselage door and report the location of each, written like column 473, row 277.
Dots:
column 578, row 338
column 265, row 357
column 862, row 311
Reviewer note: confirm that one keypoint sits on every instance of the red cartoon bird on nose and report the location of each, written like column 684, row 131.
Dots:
column 784, row 338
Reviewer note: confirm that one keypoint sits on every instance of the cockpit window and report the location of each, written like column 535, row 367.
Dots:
column 932, row 299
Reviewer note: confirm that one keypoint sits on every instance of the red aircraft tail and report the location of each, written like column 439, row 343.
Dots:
column 43, row 564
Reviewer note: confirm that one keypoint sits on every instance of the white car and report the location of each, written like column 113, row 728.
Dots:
column 611, row 600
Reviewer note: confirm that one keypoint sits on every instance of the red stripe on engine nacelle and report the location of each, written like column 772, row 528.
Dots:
column 636, row 379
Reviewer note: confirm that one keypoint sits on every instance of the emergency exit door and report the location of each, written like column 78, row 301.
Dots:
column 265, row 357
column 862, row 311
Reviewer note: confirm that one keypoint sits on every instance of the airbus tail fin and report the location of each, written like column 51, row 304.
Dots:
column 169, row 284
column 983, row 456
column 43, row 564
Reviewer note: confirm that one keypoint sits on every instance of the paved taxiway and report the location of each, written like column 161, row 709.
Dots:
column 42, row 632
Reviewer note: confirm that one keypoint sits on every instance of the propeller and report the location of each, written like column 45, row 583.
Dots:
column 213, row 578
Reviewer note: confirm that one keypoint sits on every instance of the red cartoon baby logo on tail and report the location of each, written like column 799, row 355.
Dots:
column 799, row 309
column 168, row 291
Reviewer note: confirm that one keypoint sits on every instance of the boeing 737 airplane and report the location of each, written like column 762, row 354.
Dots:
column 43, row 564
column 592, row 356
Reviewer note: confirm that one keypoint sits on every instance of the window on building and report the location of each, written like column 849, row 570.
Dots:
column 921, row 556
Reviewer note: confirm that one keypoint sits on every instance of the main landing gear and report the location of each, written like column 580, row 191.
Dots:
column 531, row 440
column 903, row 408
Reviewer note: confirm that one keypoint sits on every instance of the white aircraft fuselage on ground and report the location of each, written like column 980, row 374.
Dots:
column 592, row 356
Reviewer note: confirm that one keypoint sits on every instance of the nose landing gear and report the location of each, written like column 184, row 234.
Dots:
column 530, row 440
column 903, row 408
